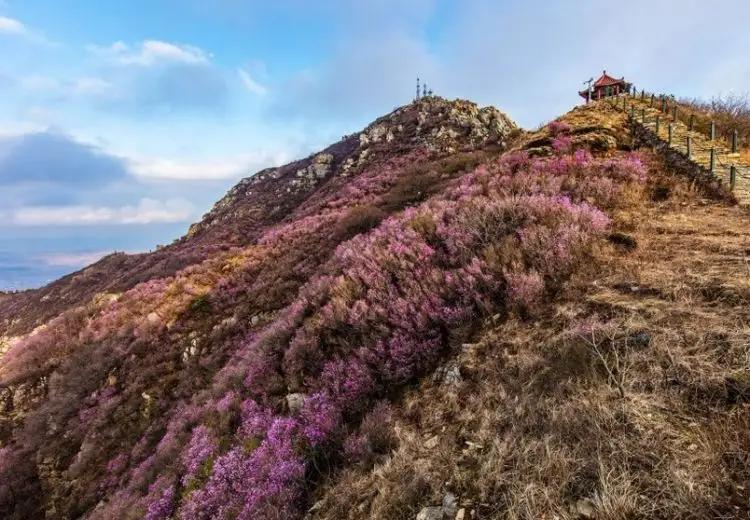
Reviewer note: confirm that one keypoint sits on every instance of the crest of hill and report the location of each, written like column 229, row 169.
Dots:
column 433, row 124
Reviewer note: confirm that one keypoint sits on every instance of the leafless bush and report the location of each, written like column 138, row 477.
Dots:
column 730, row 112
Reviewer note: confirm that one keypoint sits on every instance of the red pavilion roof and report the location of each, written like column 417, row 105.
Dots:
column 606, row 80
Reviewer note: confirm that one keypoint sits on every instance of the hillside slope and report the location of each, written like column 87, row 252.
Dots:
column 451, row 330
column 427, row 130
column 114, row 364
column 626, row 396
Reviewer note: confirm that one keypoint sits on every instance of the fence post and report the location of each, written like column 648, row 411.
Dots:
column 664, row 104
column 712, row 162
column 732, row 177
column 643, row 94
column 689, row 147
column 692, row 120
column 657, row 126
column 734, row 141
column 652, row 100
column 674, row 113
column 713, row 130
column 670, row 134
column 632, row 112
column 643, row 116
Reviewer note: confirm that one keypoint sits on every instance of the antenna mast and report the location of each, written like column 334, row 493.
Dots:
column 417, row 98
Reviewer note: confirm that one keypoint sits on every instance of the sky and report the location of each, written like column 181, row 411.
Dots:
column 122, row 122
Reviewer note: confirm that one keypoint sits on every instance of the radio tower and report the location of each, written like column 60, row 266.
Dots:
column 417, row 98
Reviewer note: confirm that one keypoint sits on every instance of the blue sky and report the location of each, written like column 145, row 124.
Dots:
column 122, row 122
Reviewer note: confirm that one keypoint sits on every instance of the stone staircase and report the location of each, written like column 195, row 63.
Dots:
column 700, row 144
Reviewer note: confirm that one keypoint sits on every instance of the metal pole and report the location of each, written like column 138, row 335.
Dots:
column 734, row 141
column 689, row 147
column 692, row 120
column 670, row 134
column 732, row 177
column 712, row 164
column 713, row 130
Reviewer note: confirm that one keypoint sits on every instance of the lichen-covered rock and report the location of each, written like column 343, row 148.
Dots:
column 430, row 513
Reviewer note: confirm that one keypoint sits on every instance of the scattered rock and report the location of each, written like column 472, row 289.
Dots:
column 450, row 505
column 294, row 401
column 461, row 515
column 430, row 513
column 585, row 508
column 432, row 442
column 449, row 374
column 317, row 505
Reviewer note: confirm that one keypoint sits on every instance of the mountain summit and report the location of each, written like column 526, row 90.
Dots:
column 441, row 316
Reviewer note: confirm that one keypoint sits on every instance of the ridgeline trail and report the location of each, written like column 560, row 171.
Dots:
column 695, row 146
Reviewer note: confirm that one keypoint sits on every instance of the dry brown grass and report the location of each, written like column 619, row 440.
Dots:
column 647, row 418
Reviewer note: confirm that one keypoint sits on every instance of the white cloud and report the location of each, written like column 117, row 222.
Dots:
column 72, row 259
column 12, row 26
column 151, row 52
column 159, row 168
column 148, row 211
column 250, row 84
column 91, row 86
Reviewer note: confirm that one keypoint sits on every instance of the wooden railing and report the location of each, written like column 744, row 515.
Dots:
column 677, row 127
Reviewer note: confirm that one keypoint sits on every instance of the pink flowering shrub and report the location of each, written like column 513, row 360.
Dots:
column 525, row 289
column 562, row 143
column 349, row 314
column 162, row 506
column 503, row 236
column 202, row 445
column 559, row 127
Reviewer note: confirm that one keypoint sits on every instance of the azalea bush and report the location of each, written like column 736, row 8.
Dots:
column 357, row 304
column 383, row 312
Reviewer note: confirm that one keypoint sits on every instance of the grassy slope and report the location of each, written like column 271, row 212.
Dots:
column 538, row 428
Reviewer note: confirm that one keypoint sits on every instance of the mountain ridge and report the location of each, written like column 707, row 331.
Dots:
column 278, row 191
column 413, row 337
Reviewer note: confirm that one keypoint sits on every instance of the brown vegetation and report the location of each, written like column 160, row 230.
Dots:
column 627, row 398
column 730, row 112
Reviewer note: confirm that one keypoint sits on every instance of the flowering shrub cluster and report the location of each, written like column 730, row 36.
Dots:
column 382, row 314
column 305, row 390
